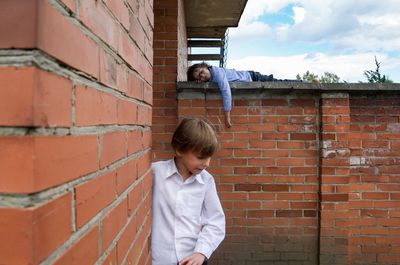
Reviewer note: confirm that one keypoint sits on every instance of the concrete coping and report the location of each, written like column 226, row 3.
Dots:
column 286, row 86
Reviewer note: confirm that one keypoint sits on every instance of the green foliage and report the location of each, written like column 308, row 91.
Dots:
column 374, row 76
column 326, row 78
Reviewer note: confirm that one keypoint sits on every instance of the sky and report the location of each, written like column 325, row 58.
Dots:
column 288, row 37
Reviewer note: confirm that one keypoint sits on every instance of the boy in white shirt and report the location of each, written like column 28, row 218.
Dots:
column 188, row 219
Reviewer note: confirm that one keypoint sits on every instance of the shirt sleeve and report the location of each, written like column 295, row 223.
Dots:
column 223, row 84
column 213, row 222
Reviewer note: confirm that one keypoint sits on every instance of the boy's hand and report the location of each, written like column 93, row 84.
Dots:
column 228, row 119
column 194, row 259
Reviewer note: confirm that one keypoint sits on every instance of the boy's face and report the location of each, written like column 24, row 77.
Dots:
column 202, row 74
column 191, row 164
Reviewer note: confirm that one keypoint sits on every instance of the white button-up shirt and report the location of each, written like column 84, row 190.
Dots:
column 187, row 215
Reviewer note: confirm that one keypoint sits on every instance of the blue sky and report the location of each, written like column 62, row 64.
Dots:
column 287, row 37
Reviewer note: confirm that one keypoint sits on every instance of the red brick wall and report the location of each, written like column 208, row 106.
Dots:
column 266, row 173
column 75, row 138
column 374, row 232
column 306, row 178
column 170, row 61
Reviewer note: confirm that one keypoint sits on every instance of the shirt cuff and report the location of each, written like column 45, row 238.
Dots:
column 204, row 249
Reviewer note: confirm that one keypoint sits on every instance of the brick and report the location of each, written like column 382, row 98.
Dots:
column 246, row 205
column 228, row 196
column 289, row 213
column 34, row 233
column 148, row 94
column 146, row 139
column 113, row 148
column 111, row 258
column 133, row 144
column 137, row 33
column 84, row 251
column 148, row 183
column 77, row 50
column 52, row 100
column 275, row 136
column 134, row 254
column 13, row 81
column 37, row 160
column 143, row 211
column 261, row 196
column 303, row 205
column 19, row 23
column 91, row 197
column 135, row 198
column 43, row 99
column 94, row 16
column 261, row 162
column 247, row 187
column 94, row 107
column 113, row 222
column 135, row 86
column 127, row 112
column 126, row 175
column 129, row 51
column 126, row 240
column 233, row 179
column 144, row 115
column 112, row 73
column 335, row 197
column 120, row 11
column 17, row 170
column 375, row 195
column 143, row 163
column 303, row 136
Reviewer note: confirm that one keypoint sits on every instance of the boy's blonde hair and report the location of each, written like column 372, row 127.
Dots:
column 195, row 135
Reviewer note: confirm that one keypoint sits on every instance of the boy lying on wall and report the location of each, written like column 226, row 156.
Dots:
column 203, row 72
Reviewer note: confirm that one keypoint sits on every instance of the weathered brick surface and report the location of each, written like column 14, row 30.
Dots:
column 169, row 51
column 306, row 178
column 32, row 233
column 75, row 117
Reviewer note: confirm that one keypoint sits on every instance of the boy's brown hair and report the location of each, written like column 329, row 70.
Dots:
column 193, row 67
column 195, row 135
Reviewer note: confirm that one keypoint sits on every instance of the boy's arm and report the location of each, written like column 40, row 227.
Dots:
column 226, row 94
column 223, row 84
column 213, row 221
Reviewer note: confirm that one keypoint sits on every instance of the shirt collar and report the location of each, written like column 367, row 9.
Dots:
column 172, row 169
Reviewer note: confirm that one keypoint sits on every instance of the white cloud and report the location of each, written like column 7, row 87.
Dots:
column 249, row 25
column 329, row 20
column 337, row 20
column 349, row 68
column 299, row 14
column 256, row 8
column 250, row 30
column 347, row 34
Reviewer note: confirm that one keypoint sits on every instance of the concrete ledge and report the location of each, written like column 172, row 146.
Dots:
column 283, row 86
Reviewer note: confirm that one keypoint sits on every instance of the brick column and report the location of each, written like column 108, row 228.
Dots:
column 334, row 177
column 169, row 65
column 75, row 119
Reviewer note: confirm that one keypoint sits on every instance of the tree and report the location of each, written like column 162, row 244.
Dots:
column 374, row 76
column 308, row 77
column 326, row 78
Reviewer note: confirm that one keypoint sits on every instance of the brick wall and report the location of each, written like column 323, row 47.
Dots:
column 305, row 176
column 75, row 138
column 170, row 61
column 374, row 205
